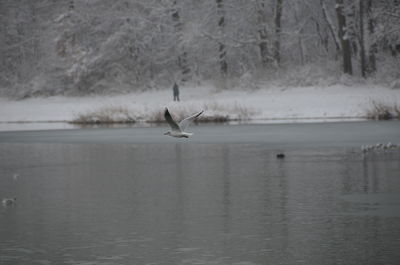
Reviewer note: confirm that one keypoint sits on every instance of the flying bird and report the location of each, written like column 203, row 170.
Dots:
column 178, row 129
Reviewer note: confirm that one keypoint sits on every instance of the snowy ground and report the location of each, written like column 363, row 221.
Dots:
column 263, row 105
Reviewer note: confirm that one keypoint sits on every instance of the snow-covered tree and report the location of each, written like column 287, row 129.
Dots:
column 99, row 46
column 344, row 36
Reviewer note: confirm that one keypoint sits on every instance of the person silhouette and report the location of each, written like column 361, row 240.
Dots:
column 176, row 91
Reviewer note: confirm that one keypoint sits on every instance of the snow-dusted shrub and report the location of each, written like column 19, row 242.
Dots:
column 214, row 118
column 105, row 115
column 157, row 116
column 382, row 111
column 213, row 112
column 183, row 112
column 236, row 111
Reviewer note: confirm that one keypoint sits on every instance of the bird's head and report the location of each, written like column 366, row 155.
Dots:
column 167, row 133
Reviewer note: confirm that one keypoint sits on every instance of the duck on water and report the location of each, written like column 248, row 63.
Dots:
column 9, row 201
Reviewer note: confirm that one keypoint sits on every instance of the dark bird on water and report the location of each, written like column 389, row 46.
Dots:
column 8, row 201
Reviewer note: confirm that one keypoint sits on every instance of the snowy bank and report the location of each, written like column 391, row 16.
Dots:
column 295, row 103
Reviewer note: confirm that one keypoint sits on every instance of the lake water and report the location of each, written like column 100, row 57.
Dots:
column 135, row 196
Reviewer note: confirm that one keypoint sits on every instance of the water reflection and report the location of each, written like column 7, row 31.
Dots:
column 185, row 203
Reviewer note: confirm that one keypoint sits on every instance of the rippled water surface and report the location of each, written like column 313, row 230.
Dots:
column 116, row 196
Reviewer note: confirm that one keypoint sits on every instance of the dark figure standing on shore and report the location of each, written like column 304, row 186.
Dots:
column 176, row 92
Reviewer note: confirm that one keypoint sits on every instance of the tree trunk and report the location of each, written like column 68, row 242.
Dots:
column 344, row 38
column 372, row 49
column 363, row 60
column 182, row 56
column 221, row 46
column 395, row 47
column 300, row 40
column 331, row 27
column 263, row 34
column 278, row 17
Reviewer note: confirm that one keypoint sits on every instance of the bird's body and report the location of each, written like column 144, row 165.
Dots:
column 178, row 130
column 280, row 156
column 179, row 134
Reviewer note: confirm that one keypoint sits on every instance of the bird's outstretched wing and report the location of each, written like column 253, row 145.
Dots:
column 186, row 122
column 171, row 122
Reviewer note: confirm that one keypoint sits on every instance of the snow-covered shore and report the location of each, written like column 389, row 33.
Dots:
column 295, row 103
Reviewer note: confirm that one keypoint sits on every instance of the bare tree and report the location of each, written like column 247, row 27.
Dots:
column 331, row 26
column 49, row 47
column 361, row 38
column 183, row 56
column 372, row 50
column 278, row 18
column 221, row 46
column 344, row 38
column 394, row 14
column 263, row 33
